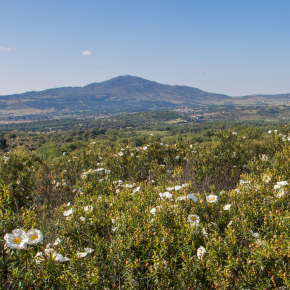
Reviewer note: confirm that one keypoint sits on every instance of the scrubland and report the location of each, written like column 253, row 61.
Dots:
column 212, row 215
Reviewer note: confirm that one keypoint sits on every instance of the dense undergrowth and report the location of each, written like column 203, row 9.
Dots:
column 185, row 216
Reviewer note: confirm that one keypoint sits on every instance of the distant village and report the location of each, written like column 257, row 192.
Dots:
column 195, row 114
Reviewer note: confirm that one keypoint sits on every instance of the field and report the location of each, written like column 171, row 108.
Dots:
column 201, row 215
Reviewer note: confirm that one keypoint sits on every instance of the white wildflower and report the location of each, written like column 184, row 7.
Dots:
column 192, row 197
column 34, row 237
column 211, row 198
column 17, row 240
column 88, row 208
column 227, row 207
column 282, row 183
column 280, row 193
column 266, row 178
column 205, row 234
column 193, row 219
column 153, row 210
column 181, row 198
column 60, row 258
column 68, row 212
column 265, row 157
column 38, row 257
column 136, row 189
column 88, row 250
column 165, row 195
column 200, row 252
column 57, row 242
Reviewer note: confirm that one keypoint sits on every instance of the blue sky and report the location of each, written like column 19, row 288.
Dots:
column 223, row 46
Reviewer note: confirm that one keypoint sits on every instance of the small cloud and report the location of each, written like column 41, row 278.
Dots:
column 86, row 52
column 7, row 48
column 202, row 72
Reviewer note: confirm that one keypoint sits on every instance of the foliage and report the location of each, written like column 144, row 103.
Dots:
column 212, row 215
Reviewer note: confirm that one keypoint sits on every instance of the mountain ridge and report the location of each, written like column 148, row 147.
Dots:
column 123, row 94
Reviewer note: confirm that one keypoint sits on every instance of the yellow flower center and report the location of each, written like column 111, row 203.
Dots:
column 193, row 218
column 212, row 199
column 17, row 240
column 34, row 237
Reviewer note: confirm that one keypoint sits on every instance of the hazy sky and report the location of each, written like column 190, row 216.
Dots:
column 223, row 46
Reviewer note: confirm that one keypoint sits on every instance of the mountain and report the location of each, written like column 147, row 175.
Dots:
column 121, row 94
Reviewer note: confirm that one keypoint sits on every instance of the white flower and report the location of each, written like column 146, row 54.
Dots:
column 177, row 187
column 205, row 234
column 192, row 197
column 88, row 208
column 280, row 193
column 227, row 207
column 136, row 189
column 265, row 157
column 185, row 185
column 57, row 242
column 88, row 250
column 258, row 241
column 153, row 210
column 270, row 131
column 211, row 198
column 60, row 258
column 120, row 153
column 266, row 178
column 235, row 133
column 165, row 195
column 82, row 219
column 176, row 157
column 255, row 235
column 68, row 204
column 282, row 183
column 49, row 251
column 81, row 255
column 194, row 220
column 275, row 131
column 38, row 257
column 17, row 240
column 182, row 198
column 242, row 182
column 34, row 237
column 145, row 148
column 129, row 186
column 237, row 190
column 200, row 252
column 170, row 188
column 277, row 186
column 229, row 224
column 68, row 212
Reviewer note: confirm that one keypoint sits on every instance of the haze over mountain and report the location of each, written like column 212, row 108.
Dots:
column 122, row 94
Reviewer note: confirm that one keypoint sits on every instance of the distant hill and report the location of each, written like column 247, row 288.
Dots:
column 123, row 94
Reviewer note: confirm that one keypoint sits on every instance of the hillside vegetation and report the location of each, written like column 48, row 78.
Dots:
column 123, row 94
column 186, row 215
